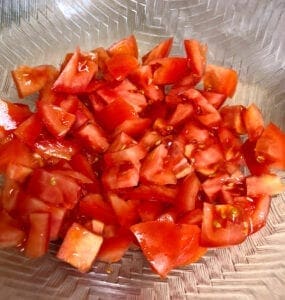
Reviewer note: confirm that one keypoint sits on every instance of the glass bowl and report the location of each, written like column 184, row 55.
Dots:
column 245, row 35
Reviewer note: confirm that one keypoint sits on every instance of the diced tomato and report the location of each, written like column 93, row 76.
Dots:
column 80, row 247
column 114, row 248
column 220, row 80
column 196, row 53
column 29, row 130
column 153, row 169
column 169, row 70
column 39, row 233
column 231, row 144
column 216, row 234
column 57, row 120
column 115, row 113
column 29, row 80
column 265, row 184
column 93, row 206
column 124, row 209
column 270, row 147
column 127, row 46
column 187, row 195
column 159, row 51
column 93, row 137
column 54, row 188
column 256, row 165
column 232, row 118
column 205, row 112
column 70, row 104
column 48, row 147
column 121, row 65
column 10, row 233
column 209, row 160
column 9, row 194
column 258, row 218
column 80, row 163
column 163, row 253
column 57, row 215
column 133, row 127
column 253, row 122
column 182, row 112
column 77, row 73
column 215, row 99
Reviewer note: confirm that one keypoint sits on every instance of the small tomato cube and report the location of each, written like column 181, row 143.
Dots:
column 80, row 247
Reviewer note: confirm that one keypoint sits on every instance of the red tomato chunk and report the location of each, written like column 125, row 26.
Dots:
column 126, row 152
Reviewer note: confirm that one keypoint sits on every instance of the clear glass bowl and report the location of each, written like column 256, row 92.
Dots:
column 245, row 35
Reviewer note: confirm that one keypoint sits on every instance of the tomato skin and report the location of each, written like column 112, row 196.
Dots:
column 232, row 234
column 216, row 99
column 232, row 116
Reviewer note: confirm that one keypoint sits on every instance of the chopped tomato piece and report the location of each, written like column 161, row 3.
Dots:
column 93, row 206
column 153, row 168
column 29, row 130
column 29, row 80
column 93, row 137
column 215, row 99
column 159, row 51
column 18, row 172
column 265, row 184
column 232, row 118
column 164, row 254
column 57, row 120
column 127, row 45
column 188, row 192
column 253, row 122
column 77, row 73
column 196, row 53
column 220, row 80
column 115, row 113
column 80, row 247
column 270, row 147
column 114, row 248
column 39, row 233
column 121, row 65
column 54, row 188
column 169, row 70
column 220, row 230
column 124, row 209
column 182, row 112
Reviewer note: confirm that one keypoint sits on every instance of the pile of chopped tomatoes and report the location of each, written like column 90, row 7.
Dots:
column 125, row 152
